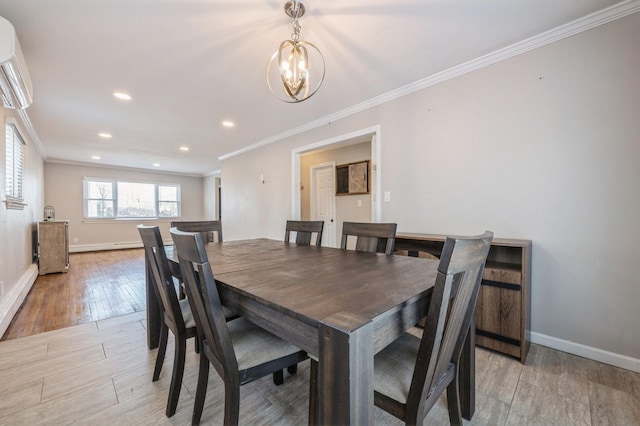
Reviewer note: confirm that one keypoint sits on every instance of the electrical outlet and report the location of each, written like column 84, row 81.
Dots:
column 359, row 203
column 75, row 240
column 387, row 197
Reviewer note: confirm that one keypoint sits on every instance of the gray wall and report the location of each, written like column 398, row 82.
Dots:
column 543, row 146
column 64, row 191
column 17, row 227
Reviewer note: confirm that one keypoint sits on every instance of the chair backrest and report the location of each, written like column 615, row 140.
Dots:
column 370, row 237
column 160, row 273
column 304, row 229
column 206, row 227
column 204, row 300
column 450, row 312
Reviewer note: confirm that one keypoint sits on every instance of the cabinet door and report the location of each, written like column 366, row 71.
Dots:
column 499, row 312
column 53, row 247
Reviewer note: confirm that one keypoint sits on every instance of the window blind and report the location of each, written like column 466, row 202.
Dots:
column 14, row 163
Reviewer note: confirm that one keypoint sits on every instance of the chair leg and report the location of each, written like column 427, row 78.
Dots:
column 313, row 393
column 453, row 403
column 231, row 403
column 278, row 378
column 162, row 349
column 176, row 378
column 292, row 369
column 201, row 390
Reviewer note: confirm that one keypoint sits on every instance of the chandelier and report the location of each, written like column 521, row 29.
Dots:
column 296, row 70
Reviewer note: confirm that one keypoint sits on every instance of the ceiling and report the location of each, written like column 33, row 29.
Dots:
column 190, row 64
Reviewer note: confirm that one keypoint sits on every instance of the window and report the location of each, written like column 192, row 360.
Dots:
column 100, row 200
column 168, row 204
column 112, row 199
column 14, row 167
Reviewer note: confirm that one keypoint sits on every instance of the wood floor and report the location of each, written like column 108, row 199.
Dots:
column 98, row 285
column 99, row 372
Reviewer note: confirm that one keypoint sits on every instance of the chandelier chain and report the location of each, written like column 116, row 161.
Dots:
column 295, row 35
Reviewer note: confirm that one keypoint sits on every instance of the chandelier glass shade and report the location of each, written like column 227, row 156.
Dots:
column 296, row 70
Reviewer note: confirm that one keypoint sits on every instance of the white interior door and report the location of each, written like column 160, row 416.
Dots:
column 323, row 205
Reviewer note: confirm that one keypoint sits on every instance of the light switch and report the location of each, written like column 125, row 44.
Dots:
column 359, row 203
column 387, row 196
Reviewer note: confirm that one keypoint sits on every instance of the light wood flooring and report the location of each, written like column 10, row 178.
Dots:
column 99, row 373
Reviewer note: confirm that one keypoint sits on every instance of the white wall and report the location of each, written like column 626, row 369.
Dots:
column 17, row 228
column 64, row 191
column 543, row 146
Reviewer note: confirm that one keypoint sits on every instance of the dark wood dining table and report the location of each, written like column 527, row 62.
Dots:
column 340, row 306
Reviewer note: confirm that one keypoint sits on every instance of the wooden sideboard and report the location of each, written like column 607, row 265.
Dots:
column 503, row 313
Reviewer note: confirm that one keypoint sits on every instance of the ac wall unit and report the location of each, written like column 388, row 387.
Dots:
column 15, row 82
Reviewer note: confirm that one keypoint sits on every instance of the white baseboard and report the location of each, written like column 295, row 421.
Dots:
column 10, row 304
column 78, row 248
column 104, row 246
column 589, row 352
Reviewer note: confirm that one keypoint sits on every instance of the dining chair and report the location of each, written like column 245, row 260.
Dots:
column 304, row 230
column 411, row 373
column 422, row 255
column 176, row 314
column 370, row 237
column 240, row 351
column 211, row 229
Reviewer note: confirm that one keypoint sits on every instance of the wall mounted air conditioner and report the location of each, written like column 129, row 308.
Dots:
column 15, row 82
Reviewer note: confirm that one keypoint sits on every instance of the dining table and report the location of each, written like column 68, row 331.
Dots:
column 340, row 306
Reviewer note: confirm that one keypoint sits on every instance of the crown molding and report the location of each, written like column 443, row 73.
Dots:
column 109, row 166
column 585, row 23
column 33, row 135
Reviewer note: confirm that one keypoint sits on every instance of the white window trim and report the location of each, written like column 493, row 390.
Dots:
column 90, row 219
column 12, row 202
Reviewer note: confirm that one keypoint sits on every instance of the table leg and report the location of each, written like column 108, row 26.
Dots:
column 467, row 374
column 153, row 310
column 345, row 381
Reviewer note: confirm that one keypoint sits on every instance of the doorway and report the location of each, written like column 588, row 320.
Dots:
column 370, row 135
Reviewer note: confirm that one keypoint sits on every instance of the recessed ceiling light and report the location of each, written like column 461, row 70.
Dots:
column 227, row 123
column 184, row 148
column 95, row 157
column 156, row 164
column 122, row 95
column 105, row 135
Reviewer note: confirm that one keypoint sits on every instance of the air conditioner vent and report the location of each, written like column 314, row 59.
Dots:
column 15, row 83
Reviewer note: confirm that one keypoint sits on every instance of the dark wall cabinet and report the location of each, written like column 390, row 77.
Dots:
column 503, row 313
